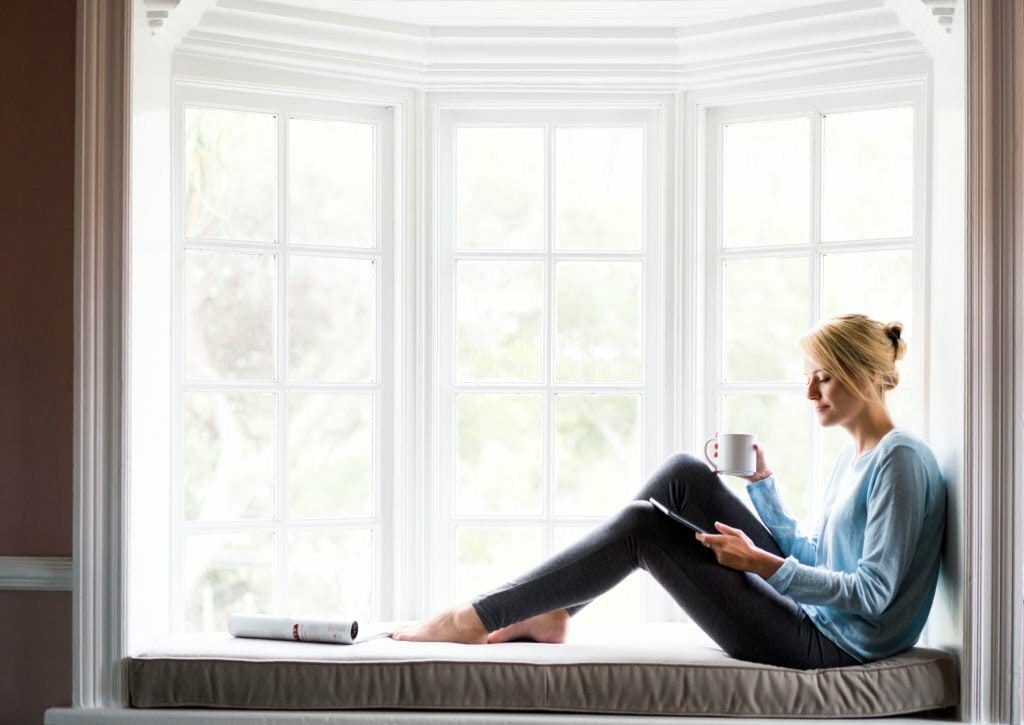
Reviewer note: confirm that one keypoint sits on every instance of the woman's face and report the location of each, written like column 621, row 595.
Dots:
column 833, row 403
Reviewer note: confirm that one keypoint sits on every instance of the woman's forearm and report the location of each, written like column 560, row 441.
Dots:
column 766, row 563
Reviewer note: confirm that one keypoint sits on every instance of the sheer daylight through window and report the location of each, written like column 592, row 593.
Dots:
column 817, row 218
column 281, row 398
column 548, row 254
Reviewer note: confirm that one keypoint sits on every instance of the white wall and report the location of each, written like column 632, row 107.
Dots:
column 946, row 384
column 150, row 267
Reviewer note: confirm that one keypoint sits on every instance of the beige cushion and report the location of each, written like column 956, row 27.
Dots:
column 669, row 669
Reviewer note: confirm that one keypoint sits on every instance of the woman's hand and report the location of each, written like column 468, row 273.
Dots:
column 761, row 469
column 734, row 549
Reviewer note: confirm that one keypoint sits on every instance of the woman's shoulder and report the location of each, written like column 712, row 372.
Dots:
column 901, row 442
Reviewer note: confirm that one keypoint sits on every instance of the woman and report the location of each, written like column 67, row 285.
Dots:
column 859, row 590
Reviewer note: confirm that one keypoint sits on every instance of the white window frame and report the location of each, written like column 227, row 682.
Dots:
column 991, row 449
column 815, row 107
column 654, row 343
column 387, row 476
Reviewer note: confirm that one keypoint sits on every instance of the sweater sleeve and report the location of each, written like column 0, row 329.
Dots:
column 896, row 503
column 765, row 497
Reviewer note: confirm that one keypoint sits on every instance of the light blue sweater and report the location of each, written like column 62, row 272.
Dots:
column 868, row 577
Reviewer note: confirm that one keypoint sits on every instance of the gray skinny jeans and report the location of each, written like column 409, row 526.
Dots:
column 739, row 610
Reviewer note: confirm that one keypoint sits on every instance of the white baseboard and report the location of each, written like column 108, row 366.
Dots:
column 35, row 573
column 112, row 716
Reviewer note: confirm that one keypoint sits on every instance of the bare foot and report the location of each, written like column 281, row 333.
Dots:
column 454, row 625
column 549, row 627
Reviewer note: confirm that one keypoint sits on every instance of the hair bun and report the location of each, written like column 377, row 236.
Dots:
column 894, row 331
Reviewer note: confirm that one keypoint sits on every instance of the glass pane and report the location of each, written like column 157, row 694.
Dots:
column 782, row 425
column 331, row 183
column 229, row 456
column 599, row 325
column 766, row 187
column 877, row 284
column 499, row 188
column 499, row 321
column 599, row 188
column 229, row 315
column 488, row 557
column 330, row 454
column 766, row 310
column 500, row 453
column 867, row 174
column 624, row 603
column 597, row 452
column 330, row 574
column 230, row 175
column 224, row 574
column 332, row 318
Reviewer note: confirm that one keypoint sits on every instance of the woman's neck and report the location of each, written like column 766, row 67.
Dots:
column 870, row 426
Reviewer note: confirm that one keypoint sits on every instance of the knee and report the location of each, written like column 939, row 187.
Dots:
column 637, row 515
column 686, row 465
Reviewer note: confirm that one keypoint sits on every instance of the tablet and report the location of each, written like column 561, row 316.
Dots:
column 673, row 515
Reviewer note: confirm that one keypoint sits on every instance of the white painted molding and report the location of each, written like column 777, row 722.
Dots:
column 994, row 348
column 642, row 56
column 157, row 12
column 35, row 573
column 943, row 11
column 101, row 214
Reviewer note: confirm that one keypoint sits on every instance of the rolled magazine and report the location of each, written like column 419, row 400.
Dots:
column 265, row 626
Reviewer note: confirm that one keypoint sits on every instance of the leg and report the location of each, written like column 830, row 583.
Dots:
column 687, row 486
column 739, row 610
column 568, row 581
column 683, row 483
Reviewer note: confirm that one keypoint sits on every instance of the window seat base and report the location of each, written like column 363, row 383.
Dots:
column 664, row 669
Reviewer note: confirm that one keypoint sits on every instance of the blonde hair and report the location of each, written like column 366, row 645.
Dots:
column 859, row 352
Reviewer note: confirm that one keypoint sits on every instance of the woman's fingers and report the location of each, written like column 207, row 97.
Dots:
column 731, row 548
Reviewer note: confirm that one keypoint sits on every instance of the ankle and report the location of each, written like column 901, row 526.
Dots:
column 468, row 620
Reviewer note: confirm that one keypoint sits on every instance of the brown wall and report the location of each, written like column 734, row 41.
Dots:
column 37, row 88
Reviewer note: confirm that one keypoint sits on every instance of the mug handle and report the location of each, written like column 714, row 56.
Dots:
column 707, row 456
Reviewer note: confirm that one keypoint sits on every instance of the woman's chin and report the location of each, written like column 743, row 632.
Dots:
column 825, row 420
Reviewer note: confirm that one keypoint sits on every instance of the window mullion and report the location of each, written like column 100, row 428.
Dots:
column 547, row 448
column 280, row 588
column 815, row 262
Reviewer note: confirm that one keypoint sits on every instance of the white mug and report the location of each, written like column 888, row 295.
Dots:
column 736, row 454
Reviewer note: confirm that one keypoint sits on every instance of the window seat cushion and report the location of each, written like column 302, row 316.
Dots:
column 667, row 669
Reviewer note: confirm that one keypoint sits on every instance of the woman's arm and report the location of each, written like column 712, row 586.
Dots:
column 784, row 527
column 733, row 548
column 896, row 507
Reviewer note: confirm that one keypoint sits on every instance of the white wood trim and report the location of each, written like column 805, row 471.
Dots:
column 624, row 56
column 101, row 315
column 994, row 347
column 992, row 446
column 35, row 573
